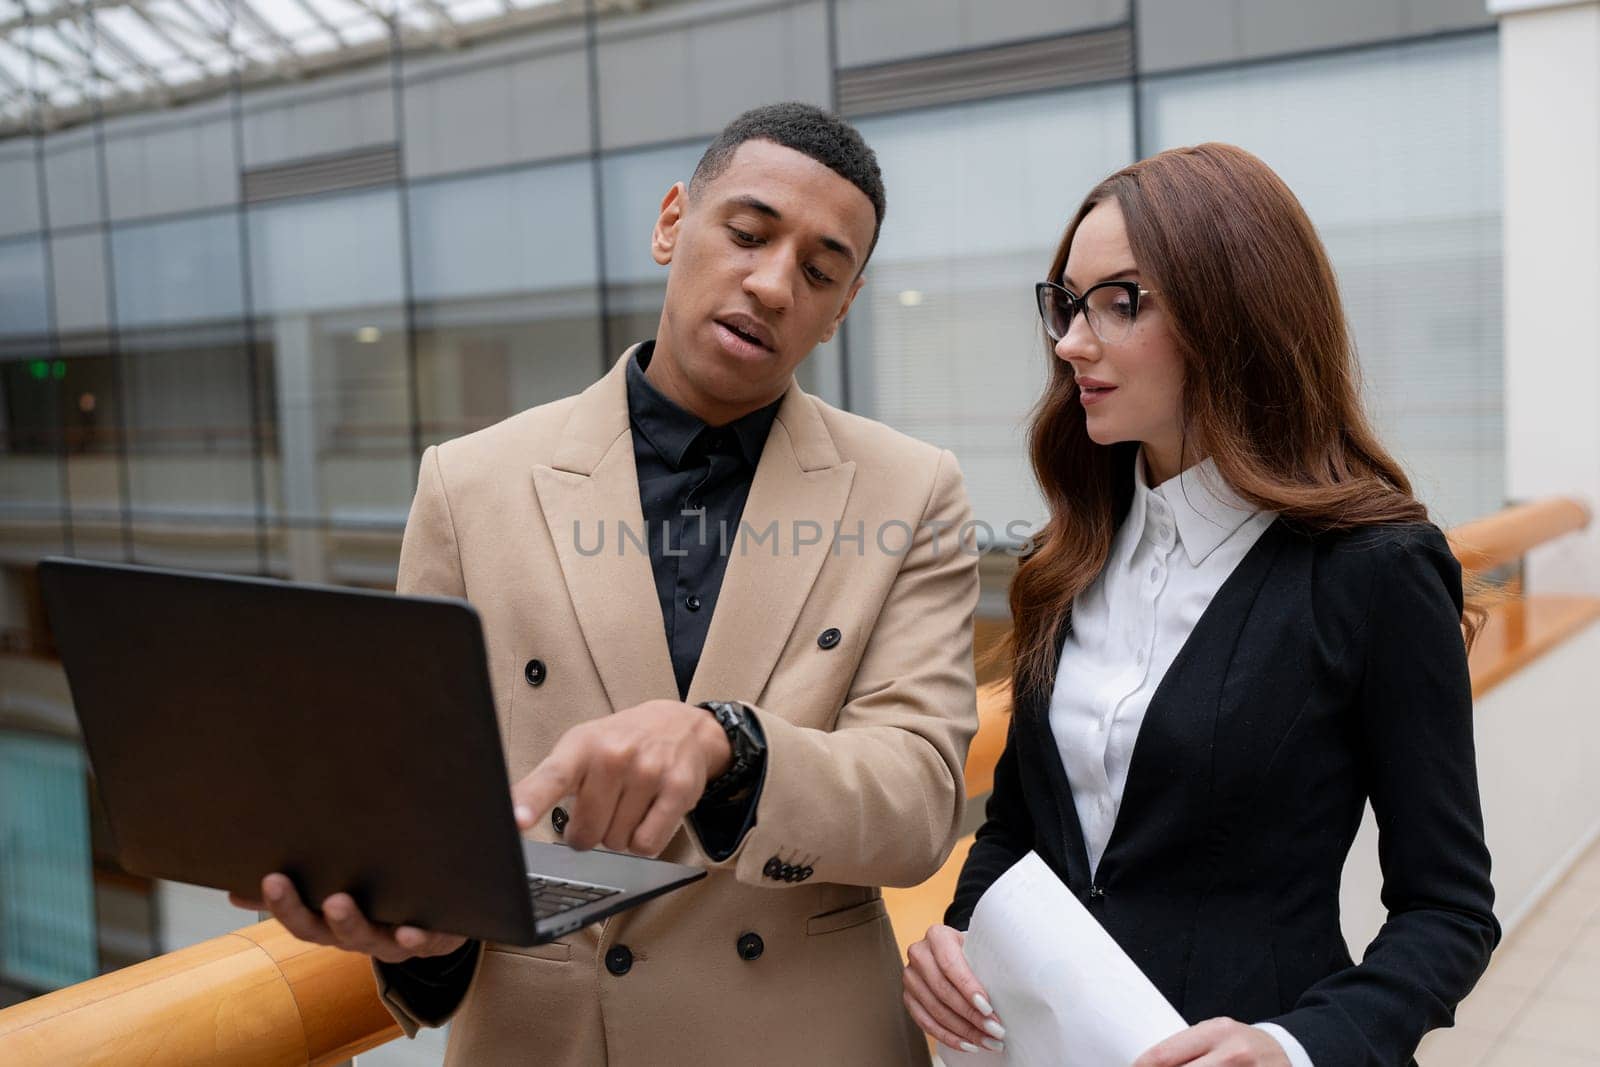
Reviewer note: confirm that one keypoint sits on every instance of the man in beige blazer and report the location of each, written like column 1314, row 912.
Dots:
column 839, row 637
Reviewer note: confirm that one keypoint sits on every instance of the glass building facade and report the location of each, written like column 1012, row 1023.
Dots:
column 228, row 329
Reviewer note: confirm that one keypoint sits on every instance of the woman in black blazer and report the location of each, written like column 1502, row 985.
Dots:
column 1236, row 628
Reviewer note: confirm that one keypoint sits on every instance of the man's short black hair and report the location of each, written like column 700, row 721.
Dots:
column 809, row 130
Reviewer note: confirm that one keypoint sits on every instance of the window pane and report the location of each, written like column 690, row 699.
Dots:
column 19, row 208
column 326, row 253
column 182, row 271
column 326, row 277
column 341, row 473
column 47, row 924
column 480, row 361
column 505, row 273
column 23, row 303
column 528, row 230
column 192, row 463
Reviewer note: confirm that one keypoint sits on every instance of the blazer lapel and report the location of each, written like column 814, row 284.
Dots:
column 1172, row 765
column 800, row 481
column 1036, row 713
column 590, row 498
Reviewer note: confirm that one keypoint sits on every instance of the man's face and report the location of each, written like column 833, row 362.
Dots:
column 764, row 262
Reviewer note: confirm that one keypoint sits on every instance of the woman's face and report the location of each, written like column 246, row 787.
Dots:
column 1131, row 390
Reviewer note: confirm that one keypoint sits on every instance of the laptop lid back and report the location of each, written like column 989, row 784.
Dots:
column 238, row 726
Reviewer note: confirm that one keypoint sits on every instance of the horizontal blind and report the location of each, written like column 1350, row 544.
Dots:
column 324, row 174
column 983, row 73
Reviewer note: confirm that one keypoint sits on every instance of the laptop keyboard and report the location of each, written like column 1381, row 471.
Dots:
column 552, row 896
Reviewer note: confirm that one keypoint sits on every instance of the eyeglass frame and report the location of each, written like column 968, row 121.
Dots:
column 1081, row 303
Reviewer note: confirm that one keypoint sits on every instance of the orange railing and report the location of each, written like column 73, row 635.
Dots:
column 256, row 996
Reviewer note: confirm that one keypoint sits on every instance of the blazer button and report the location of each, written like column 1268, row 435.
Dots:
column 773, row 869
column 558, row 820
column 751, row 947
column 1096, row 893
column 806, row 872
column 619, row 961
column 534, row 672
column 786, row 872
column 828, row 638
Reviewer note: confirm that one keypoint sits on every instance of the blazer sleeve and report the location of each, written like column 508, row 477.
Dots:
column 878, row 799
column 426, row 992
column 1004, row 838
column 1414, row 727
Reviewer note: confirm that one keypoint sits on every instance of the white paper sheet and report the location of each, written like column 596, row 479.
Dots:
column 1067, row 994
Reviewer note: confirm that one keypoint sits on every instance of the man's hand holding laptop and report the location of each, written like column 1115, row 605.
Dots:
column 342, row 925
column 635, row 775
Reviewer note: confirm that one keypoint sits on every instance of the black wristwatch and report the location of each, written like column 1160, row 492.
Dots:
column 749, row 747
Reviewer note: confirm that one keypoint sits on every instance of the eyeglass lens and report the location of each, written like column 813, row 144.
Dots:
column 1109, row 309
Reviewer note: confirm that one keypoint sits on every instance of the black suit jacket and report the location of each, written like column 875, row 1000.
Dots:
column 1329, row 669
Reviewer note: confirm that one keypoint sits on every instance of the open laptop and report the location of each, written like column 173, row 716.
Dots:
column 239, row 726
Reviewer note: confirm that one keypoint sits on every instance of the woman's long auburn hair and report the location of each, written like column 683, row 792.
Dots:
column 1271, row 390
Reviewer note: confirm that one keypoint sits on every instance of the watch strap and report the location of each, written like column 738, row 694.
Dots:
column 735, row 720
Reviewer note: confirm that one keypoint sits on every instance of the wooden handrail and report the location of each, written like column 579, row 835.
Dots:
column 1509, row 534
column 252, row 998
column 258, row 996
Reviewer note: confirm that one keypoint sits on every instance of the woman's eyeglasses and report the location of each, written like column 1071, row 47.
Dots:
column 1110, row 308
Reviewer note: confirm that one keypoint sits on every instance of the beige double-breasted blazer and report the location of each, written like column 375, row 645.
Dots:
column 866, row 732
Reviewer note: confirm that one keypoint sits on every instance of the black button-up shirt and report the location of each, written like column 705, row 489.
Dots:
column 693, row 481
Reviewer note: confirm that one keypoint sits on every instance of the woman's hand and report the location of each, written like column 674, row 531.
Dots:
column 945, row 999
column 1217, row 1043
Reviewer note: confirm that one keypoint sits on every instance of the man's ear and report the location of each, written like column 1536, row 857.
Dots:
column 664, row 238
column 833, row 327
